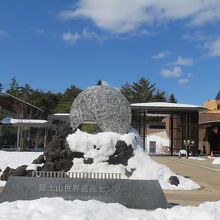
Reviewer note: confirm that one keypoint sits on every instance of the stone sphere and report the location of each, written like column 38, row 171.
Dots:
column 105, row 106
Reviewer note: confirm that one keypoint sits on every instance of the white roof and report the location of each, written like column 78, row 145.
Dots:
column 62, row 114
column 165, row 105
column 9, row 120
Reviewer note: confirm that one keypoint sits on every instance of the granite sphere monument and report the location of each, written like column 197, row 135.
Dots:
column 105, row 106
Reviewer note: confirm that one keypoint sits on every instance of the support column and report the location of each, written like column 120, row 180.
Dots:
column 18, row 138
column 171, row 134
column 144, row 126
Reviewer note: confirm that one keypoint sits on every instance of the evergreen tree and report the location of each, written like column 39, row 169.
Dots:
column 1, row 86
column 13, row 87
column 26, row 92
column 172, row 99
column 128, row 92
column 46, row 101
column 67, row 99
column 159, row 96
column 142, row 91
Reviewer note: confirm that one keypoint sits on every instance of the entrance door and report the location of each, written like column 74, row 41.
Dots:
column 152, row 148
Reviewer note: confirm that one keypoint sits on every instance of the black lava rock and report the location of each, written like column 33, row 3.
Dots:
column 64, row 165
column 48, row 166
column 29, row 172
column 78, row 155
column 39, row 160
column 88, row 161
column 129, row 173
column 122, row 154
column 173, row 180
column 6, row 173
column 19, row 171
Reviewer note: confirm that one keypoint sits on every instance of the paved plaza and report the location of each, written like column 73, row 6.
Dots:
column 203, row 172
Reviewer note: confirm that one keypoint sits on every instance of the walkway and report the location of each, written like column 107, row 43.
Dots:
column 202, row 172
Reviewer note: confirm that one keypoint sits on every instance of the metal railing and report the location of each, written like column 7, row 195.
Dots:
column 76, row 175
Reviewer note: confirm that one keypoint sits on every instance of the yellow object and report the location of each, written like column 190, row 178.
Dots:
column 212, row 105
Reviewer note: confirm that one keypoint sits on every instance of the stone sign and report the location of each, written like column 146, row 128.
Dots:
column 105, row 106
column 137, row 194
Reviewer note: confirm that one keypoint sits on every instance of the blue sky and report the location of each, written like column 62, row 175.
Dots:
column 52, row 44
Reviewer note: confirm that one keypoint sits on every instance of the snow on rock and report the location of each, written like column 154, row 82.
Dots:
column 216, row 161
column 57, row 209
column 16, row 159
column 142, row 165
column 98, row 146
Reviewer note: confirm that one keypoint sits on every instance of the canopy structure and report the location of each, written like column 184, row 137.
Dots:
column 34, row 123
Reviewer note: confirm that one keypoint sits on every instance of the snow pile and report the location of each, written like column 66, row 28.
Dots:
column 216, row 161
column 57, row 209
column 197, row 158
column 16, row 159
column 102, row 145
column 99, row 146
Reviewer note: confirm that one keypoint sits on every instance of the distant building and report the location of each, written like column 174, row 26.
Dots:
column 209, row 132
column 22, row 124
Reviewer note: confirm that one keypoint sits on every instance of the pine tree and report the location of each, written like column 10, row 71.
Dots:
column 172, row 99
column 142, row 91
column 26, row 92
column 127, row 91
column 13, row 87
column 67, row 99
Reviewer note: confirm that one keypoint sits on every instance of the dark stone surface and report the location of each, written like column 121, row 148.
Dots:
column 29, row 172
column 173, row 180
column 122, row 154
column 6, row 173
column 64, row 165
column 48, row 166
column 139, row 194
column 19, row 171
column 129, row 173
column 88, row 161
column 39, row 160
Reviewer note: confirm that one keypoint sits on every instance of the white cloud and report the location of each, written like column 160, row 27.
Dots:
column 213, row 47
column 168, row 73
column 161, row 55
column 183, row 61
column 3, row 33
column 120, row 16
column 206, row 16
column 71, row 37
column 183, row 81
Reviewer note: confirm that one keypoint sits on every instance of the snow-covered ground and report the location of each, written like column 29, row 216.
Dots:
column 216, row 161
column 16, row 159
column 59, row 209
column 101, row 146
column 197, row 158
